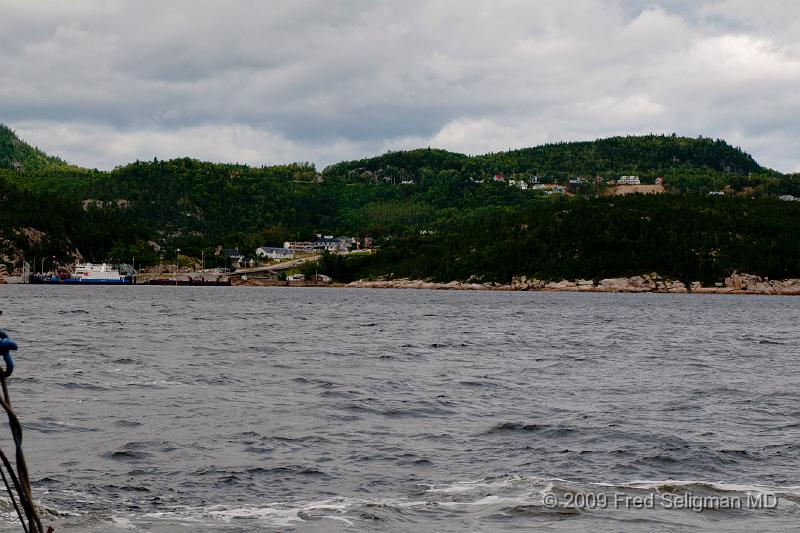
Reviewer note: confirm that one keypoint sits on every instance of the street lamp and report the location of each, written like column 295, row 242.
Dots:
column 177, row 257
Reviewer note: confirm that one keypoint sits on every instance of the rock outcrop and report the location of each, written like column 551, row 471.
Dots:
column 404, row 283
column 735, row 284
column 750, row 284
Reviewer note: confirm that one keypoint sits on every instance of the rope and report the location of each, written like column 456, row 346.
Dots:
column 11, row 493
column 20, row 479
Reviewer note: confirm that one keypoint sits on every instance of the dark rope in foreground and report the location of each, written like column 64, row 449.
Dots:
column 19, row 478
column 11, row 493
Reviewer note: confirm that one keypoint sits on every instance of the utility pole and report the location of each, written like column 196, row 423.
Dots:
column 177, row 261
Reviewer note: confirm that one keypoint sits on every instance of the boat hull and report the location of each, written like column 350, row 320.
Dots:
column 80, row 281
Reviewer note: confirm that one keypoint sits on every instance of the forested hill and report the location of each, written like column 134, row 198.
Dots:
column 17, row 155
column 648, row 155
column 148, row 209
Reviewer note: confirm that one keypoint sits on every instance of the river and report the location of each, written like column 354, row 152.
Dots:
column 229, row 409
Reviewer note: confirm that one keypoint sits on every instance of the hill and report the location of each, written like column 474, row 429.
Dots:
column 649, row 155
column 15, row 154
column 394, row 198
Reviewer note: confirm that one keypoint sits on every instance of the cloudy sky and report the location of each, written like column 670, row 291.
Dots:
column 102, row 83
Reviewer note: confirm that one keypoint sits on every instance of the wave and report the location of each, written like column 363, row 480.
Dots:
column 503, row 497
column 521, row 427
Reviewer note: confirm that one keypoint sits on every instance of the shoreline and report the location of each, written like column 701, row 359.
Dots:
column 650, row 283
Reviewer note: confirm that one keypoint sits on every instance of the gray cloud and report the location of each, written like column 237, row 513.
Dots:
column 103, row 83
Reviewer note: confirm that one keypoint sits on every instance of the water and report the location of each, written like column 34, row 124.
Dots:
column 267, row 409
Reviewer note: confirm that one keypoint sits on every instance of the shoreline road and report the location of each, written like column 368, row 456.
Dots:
column 275, row 268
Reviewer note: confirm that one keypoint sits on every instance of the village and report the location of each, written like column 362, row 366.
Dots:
column 269, row 265
column 579, row 184
column 274, row 265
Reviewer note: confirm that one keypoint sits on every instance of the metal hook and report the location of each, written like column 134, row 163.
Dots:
column 6, row 345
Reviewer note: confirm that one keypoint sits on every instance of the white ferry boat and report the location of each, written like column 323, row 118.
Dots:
column 102, row 273
column 90, row 274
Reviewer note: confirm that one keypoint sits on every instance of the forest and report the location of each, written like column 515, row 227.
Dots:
column 687, row 237
column 433, row 213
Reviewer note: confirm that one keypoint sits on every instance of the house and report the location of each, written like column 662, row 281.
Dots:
column 659, row 181
column 232, row 253
column 296, row 277
column 300, row 247
column 716, row 193
column 499, row 177
column 321, row 278
column 347, row 243
column 788, row 198
column 577, row 180
column 327, row 243
column 274, row 253
column 629, row 180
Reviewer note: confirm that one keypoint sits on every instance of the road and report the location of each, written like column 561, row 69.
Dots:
column 276, row 267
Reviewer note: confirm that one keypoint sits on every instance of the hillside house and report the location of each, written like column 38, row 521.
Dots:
column 629, row 180
column 348, row 242
column 233, row 254
column 557, row 189
column 275, row 253
column 328, row 243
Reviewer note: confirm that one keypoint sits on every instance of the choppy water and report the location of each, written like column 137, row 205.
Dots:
column 242, row 409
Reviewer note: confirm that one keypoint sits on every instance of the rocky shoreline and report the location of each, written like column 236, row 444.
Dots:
column 735, row 284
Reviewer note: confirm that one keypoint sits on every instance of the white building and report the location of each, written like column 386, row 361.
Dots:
column 274, row 253
column 328, row 243
column 299, row 247
column 629, row 180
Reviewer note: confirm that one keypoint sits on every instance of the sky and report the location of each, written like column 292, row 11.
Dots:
column 103, row 83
